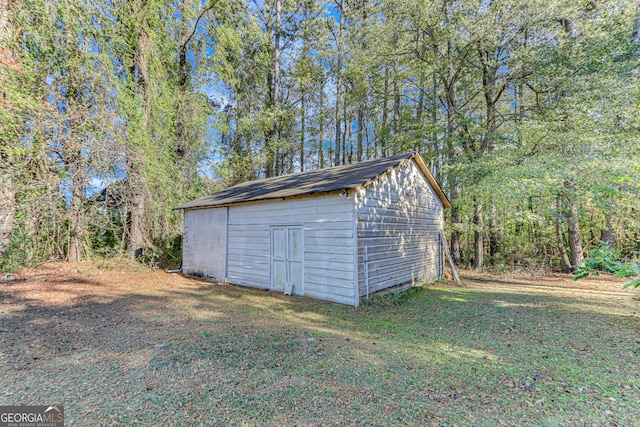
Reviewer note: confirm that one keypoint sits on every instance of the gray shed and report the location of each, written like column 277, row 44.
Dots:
column 337, row 234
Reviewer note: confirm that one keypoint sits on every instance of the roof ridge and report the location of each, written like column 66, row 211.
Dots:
column 330, row 168
column 335, row 178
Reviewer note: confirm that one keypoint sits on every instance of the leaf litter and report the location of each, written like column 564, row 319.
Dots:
column 119, row 344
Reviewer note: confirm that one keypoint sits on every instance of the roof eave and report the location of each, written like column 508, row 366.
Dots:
column 266, row 199
column 436, row 187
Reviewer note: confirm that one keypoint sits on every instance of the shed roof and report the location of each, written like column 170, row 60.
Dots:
column 337, row 178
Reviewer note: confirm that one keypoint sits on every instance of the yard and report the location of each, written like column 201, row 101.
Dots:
column 117, row 344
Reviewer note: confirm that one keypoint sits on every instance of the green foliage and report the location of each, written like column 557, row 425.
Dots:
column 505, row 100
column 394, row 298
column 16, row 255
column 606, row 260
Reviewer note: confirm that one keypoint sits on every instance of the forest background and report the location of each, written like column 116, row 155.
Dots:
column 112, row 112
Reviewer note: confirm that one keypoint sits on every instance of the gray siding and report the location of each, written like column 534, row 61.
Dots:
column 329, row 244
column 204, row 243
column 399, row 217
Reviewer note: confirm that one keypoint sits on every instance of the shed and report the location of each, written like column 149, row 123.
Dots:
column 337, row 234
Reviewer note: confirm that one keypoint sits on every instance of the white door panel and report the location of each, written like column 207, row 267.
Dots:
column 287, row 258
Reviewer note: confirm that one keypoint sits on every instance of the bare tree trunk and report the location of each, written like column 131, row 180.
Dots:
column 434, row 134
column 492, row 94
column 447, row 79
column 136, row 226
column 396, row 98
column 565, row 263
column 361, row 107
column 575, row 244
column 7, row 208
column 302, row 130
column 608, row 235
column 385, row 113
column 338, row 110
column 478, row 239
column 276, row 79
column 345, row 133
column 456, row 252
column 77, row 226
column 494, row 236
column 321, row 129
column 273, row 80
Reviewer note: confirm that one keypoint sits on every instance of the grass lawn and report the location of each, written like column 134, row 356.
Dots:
column 121, row 345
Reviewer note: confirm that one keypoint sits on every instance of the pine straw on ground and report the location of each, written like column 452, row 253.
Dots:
column 118, row 344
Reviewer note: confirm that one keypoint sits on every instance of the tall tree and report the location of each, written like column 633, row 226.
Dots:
column 9, row 65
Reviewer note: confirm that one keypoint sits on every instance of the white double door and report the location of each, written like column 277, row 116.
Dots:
column 286, row 259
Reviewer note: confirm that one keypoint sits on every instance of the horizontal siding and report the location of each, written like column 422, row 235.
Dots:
column 330, row 296
column 328, row 235
column 332, row 250
column 342, row 276
column 390, row 265
column 399, row 218
column 322, row 265
column 341, row 286
column 322, row 233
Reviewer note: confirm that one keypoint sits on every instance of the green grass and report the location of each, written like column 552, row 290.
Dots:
column 501, row 353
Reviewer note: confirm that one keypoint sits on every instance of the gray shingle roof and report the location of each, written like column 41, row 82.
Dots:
column 337, row 178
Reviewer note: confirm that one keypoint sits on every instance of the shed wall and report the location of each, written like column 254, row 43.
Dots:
column 329, row 243
column 399, row 217
column 204, row 243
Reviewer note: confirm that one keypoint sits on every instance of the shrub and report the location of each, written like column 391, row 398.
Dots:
column 605, row 260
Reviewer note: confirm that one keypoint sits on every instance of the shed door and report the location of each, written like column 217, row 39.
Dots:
column 286, row 258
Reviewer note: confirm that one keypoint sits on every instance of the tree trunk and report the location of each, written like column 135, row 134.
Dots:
column 7, row 208
column 135, row 155
column 345, row 132
column 136, row 226
column 575, row 244
column 384, row 134
column 184, row 70
column 7, row 188
column 456, row 252
column 360, row 127
column 302, row 130
column 478, row 239
column 272, row 140
column 338, row 108
column 608, row 235
column 419, row 137
column 434, row 133
column 565, row 263
column 321, row 129
column 494, row 236
column 491, row 97
column 276, row 81
column 73, row 154
column 396, row 98
column 77, row 226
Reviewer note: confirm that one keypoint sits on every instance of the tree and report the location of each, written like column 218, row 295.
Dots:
column 9, row 66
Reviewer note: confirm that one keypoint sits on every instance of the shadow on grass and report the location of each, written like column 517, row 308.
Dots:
column 90, row 323
column 248, row 356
